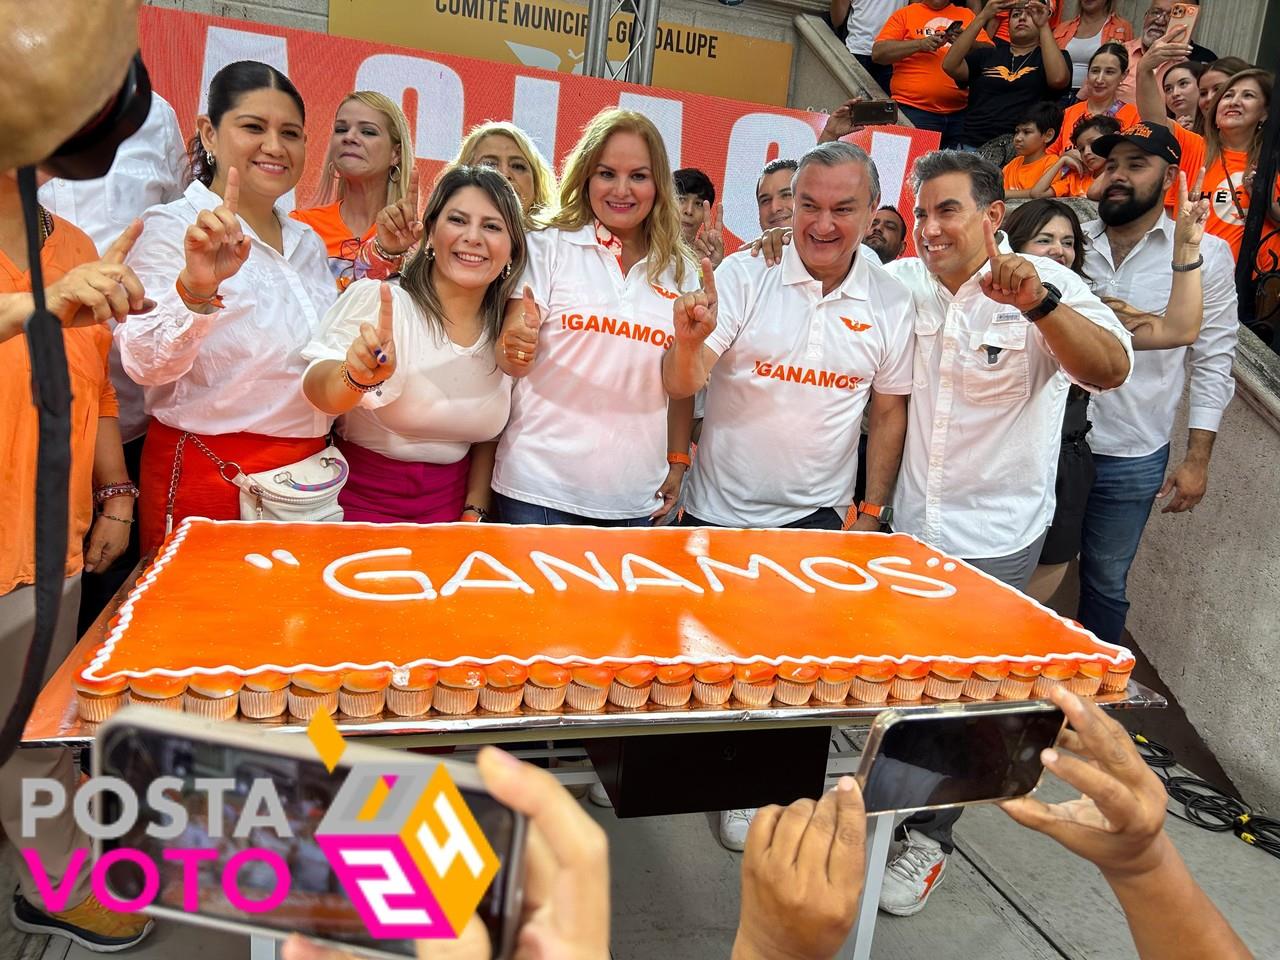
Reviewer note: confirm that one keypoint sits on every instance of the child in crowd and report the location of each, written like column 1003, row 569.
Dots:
column 1031, row 139
column 1073, row 174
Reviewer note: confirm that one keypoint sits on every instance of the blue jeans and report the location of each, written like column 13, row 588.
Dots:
column 1120, row 500
column 518, row 511
column 950, row 125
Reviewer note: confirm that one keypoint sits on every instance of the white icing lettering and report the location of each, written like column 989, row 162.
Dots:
column 664, row 578
column 809, row 563
column 751, row 571
column 547, row 565
column 462, row 579
column 258, row 560
column 425, row 591
column 885, row 567
column 285, row 557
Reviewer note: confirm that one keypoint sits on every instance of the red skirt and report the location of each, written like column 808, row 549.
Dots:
column 201, row 490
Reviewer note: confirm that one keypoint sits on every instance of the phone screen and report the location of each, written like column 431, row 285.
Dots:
column 938, row 760
column 316, row 904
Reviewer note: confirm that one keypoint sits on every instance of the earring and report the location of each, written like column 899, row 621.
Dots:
column 429, row 253
column 506, row 271
column 208, row 160
column 394, row 174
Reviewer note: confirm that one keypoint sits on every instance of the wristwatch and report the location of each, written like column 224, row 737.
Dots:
column 883, row 513
column 1052, row 297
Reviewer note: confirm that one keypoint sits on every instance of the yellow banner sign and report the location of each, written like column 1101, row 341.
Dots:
column 552, row 36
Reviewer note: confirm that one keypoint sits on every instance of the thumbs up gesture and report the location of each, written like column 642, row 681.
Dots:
column 1012, row 280
column 215, row 245
column 103, row 290
column 371, row 358
column 695, row 313
column 520, row 335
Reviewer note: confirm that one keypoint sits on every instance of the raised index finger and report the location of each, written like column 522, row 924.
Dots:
column 989, row 234
column 385, row 313
column 412, row 195
column 231, row 195
column 122, row 244
column 708, row 281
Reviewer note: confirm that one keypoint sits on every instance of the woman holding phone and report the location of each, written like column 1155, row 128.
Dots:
column 239, row 287
column 592, row 438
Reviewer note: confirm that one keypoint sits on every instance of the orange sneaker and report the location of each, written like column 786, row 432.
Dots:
column 89, row 924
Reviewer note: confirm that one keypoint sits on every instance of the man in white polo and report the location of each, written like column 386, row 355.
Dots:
column 792, row 358
column 999, row 338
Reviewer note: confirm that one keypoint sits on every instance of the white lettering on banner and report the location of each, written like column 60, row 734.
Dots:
column 535, row 110
column 890, row 151
column 750, row 144
column 440, row 98
column 894, row 572
column 223, row 46
column 667, row 115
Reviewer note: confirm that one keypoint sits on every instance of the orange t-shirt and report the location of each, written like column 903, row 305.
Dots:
column 1193, row 149
column 1072, row 184
column 1126, row 113
column 1229, row 202
column 92, row 397
column 1020, row 175
column 919, row 81
column 339, row 242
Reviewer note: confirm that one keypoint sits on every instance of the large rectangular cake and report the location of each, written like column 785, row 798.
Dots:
column 251, row 599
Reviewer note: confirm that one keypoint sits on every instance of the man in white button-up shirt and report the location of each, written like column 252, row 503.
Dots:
column 795, row 355
column 999, row 337
column 1131, row 257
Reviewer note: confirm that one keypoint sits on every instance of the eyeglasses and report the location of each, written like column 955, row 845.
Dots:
column 1156, row 13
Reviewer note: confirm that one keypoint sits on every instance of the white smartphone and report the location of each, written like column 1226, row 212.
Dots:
column 138, row 746
column 952, row 755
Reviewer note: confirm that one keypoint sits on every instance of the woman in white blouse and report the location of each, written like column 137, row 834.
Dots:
column 239, row 289
column 592, row 438
column 410, row 370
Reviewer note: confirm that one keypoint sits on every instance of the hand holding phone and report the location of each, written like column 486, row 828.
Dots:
column 1182, row 19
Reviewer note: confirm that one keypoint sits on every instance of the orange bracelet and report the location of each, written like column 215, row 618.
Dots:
column 674, row 458
column 191, row 300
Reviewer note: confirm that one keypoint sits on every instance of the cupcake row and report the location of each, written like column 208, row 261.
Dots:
column 507, row 687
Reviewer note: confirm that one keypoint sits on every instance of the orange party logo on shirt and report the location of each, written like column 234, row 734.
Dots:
column 856, row 326
column 663, row 292
column 1004, row 73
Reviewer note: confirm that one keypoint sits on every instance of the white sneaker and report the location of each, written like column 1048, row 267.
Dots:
column 599, row 796
column 734, row 825
column 912, row 875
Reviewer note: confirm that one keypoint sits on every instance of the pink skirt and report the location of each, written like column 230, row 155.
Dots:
column 383, row 490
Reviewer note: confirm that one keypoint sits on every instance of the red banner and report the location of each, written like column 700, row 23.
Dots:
column 444, row 95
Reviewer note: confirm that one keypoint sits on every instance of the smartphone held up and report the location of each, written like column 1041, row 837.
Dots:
column 220, row 826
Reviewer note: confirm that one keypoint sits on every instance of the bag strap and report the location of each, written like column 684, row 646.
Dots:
column 51, row 392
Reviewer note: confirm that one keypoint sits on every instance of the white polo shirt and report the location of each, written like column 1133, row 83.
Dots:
column 786, row 397
column 985, row 425
column 588, row 428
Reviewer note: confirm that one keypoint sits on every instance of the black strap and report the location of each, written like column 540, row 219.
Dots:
column 51, row 393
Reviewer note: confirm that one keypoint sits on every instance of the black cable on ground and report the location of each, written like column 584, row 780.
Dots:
column 1206, row 806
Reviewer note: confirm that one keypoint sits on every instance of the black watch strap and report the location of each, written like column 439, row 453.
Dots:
column 1052, row 297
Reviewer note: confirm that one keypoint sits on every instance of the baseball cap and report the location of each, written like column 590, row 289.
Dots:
column 1149, row 138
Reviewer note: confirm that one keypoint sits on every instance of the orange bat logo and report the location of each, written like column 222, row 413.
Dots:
column 855, row 325
column 663, row 293
column 1004, row 73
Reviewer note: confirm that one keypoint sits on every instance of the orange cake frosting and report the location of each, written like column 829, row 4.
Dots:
column 307, row 598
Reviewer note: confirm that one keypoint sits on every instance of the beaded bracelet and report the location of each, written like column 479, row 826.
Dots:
column 109, row 490
column 354, row 384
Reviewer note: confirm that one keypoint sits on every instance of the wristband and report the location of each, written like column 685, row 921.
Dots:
column 191, row 300
column 104, row 493
column 1195, row 264
column 674, row 458
column 482, row 515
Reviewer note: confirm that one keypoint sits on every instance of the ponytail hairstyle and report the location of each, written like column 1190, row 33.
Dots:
column 226, row 89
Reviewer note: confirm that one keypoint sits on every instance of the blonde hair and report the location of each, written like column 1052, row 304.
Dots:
column 333, row 187
column 544, row 178
column 663, row 237
column 1213, row 139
